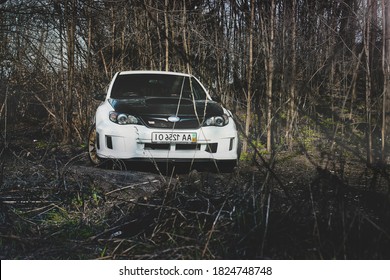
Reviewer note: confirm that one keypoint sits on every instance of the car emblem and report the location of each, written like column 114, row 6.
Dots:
column 173, row 119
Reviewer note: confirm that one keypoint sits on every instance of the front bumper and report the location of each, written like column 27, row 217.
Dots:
column 134, row 142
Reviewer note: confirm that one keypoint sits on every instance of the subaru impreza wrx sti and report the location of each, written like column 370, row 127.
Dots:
column 162, row 117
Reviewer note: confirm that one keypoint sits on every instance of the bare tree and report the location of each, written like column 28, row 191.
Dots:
column 386, row 72
column 268, row 25
column 249, row 93
column 271, row 58
column 70, row 18
column 292, row 109
column 368, row 40
column 166, row 27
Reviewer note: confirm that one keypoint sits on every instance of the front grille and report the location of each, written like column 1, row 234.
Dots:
column 178, row 147
column 187, row 147
column 162, row 122
column 151, row 146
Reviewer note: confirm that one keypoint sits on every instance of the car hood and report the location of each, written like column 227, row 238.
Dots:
column 149, row 106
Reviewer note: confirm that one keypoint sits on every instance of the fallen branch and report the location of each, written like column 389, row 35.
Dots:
column 132, row 186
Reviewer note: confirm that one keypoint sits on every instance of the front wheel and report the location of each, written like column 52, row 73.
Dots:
column 92, row 146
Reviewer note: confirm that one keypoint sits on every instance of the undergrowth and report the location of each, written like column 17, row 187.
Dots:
column 297, row 211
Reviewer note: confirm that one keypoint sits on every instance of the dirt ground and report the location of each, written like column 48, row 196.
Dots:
column 55, row 205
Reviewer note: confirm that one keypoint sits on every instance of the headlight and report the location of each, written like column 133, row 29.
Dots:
column 121, row 118
column 217, row 121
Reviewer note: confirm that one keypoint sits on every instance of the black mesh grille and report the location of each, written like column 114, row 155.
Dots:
column 179, row 147
column 151, row 146
column 187, row 147
column 162, row 122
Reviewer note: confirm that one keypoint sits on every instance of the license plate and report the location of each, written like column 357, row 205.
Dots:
column 174, row 137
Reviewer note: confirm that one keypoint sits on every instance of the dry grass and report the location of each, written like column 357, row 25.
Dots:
column 55, row 207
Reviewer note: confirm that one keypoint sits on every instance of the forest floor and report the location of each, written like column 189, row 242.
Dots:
column 54, row 205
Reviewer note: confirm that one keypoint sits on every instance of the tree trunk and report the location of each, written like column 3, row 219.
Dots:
column 292, row 112
column 70, row 14
column 249, row 93
column 367, row 50
column 113, row 31
column 268, row 32
column 166, row 23
column 185, row 41
column 386, row 93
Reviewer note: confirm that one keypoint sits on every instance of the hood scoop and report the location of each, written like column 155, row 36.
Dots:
column 168, row 101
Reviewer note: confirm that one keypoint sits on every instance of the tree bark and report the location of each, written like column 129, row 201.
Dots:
column 185, row 41
column 166, row 27
column 70, row 14
column 386, row 93
column 292, row 112
column 248, row 118
column 268, row 33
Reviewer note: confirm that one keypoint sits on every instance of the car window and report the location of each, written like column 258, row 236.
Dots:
column 195, row 88
column 156, row 85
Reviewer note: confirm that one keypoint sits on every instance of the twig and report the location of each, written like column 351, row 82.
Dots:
column 160, row 212
column 266, row 225
column 5, row 118
column 17, row 238
column 27, row 202
column 131, row 186
column 316, row 229
column 377, row 227
column 44, row 106
column 169, row 208
column 212, row 229
column 268, row 166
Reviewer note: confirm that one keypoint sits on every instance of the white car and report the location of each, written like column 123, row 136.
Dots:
column 165, row 117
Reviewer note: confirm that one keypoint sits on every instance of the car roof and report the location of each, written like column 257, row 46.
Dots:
column 153, row 72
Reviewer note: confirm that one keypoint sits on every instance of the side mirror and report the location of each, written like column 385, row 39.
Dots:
column 99, row 96
column 216, row 98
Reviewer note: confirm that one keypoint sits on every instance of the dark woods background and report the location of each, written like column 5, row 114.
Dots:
column 309, row 85
column 297, row 73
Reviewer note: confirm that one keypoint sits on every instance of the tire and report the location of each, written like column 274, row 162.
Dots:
column 92, row 147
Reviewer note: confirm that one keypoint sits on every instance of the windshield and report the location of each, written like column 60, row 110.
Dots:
column 156, row 85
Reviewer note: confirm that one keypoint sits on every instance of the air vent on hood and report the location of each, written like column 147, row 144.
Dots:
column 168, row 101
column 162, row 122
